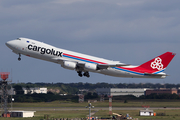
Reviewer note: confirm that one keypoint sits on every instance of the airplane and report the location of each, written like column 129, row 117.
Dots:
column 84, row 64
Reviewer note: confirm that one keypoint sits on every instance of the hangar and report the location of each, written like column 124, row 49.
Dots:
column 121, row 91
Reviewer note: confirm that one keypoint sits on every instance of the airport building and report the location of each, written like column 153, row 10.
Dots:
column 30, row 90
column 162, row 91
column 121, row 91
column 35, row 90
column 22, row 113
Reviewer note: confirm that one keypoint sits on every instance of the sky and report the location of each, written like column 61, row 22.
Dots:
column 129, row 31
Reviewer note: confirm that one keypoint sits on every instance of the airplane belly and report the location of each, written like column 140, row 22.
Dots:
column 119, row 73
column 113, row 72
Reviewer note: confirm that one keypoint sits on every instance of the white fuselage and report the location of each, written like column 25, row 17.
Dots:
column 70, row 60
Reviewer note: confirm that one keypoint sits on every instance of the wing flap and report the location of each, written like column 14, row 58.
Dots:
column 105, row 66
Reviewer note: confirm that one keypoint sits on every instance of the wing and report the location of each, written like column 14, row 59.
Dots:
column 99, row 66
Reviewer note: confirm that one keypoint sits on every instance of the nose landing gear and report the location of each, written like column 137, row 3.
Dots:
column 19, row 58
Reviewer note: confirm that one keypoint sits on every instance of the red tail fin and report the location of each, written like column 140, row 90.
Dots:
column 159, row 63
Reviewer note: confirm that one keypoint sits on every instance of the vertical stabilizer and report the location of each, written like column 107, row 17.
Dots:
column 159, row 63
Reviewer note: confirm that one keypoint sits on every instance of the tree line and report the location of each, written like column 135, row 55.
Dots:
column 72, row 89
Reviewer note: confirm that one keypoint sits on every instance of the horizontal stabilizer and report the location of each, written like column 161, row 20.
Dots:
column 150, row 74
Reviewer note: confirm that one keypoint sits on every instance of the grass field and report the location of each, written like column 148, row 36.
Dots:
column 131, row 103
column 171, row 114
column 39, row 115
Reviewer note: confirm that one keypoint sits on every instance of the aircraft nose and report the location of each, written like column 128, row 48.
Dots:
column 10, row 44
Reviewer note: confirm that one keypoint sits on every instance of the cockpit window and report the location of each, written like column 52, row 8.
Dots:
column 18, row 39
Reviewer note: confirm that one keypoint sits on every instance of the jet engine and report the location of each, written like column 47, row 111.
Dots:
column 69, row 65
column 90, row 67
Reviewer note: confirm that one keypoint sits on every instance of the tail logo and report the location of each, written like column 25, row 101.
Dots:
column 157, row 64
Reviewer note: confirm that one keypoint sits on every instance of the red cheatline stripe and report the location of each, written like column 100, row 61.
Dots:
column 84, row 58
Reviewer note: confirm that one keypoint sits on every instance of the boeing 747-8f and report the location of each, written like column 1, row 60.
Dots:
column 84, row 64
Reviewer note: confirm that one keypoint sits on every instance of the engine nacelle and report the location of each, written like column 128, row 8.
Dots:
column 69, row 65
column 90, row 67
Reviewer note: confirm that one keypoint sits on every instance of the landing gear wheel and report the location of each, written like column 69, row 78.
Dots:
column 19, row 57
column 80, row 73
column 86, row 74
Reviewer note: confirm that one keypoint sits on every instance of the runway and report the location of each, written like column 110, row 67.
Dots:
column 83, row 108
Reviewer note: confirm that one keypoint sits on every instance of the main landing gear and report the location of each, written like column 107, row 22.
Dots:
column 80, row 73
column 19, row 58
column 85, row 73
